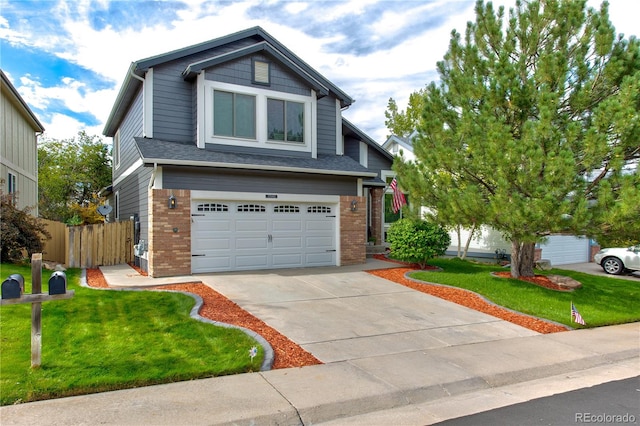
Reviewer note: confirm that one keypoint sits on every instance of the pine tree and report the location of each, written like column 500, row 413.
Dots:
column 533, row 128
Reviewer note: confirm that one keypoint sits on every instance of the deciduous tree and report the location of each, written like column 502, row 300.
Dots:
column 70, row 175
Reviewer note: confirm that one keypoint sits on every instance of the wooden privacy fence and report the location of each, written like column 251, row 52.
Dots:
column 90, row 246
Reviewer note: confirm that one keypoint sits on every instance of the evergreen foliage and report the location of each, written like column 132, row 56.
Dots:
column 533, row 128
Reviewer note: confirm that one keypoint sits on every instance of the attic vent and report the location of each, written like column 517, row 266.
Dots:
column 261, row 72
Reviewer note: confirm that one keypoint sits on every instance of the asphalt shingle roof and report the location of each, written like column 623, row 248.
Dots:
column 165, row 152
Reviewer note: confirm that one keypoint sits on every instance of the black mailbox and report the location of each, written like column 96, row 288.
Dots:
column 58, row 283
column 13, row 287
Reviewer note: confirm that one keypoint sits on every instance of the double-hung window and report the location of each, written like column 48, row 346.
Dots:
column 285, row 120
column 234, row 115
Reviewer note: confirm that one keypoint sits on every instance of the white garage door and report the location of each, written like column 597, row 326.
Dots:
column 229, row 236
column 565, row 249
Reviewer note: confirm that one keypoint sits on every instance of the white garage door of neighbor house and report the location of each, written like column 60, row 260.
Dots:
column 565, row 249
column 238, row 235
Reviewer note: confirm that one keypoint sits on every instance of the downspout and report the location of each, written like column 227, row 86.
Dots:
column 136, row 76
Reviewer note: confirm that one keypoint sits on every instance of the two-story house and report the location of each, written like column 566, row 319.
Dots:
column 19, row 129
column 233, row 154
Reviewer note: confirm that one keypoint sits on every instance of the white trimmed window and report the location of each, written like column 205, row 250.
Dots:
column 234, row 115
column 256, row 117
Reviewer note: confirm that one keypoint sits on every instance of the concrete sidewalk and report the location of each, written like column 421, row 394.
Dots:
column 392, row 355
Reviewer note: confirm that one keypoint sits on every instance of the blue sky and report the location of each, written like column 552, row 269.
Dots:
column 68, row 58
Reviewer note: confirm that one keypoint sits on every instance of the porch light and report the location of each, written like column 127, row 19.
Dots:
column 354, row 205
column 172, row 202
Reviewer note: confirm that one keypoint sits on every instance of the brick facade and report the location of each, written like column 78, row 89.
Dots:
column 353, row 231
column 169, row 233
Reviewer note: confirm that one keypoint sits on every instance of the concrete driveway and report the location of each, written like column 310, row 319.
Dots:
column 595, row 269
column 345, row 313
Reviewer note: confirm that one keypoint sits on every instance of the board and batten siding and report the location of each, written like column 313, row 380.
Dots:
column 260, row 182
column 19, row 154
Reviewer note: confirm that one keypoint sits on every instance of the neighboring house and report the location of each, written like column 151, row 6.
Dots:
column 233, row 154
column 559, row 249
column 19, row 130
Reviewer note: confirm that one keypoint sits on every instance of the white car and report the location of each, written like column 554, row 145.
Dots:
column 619, row 260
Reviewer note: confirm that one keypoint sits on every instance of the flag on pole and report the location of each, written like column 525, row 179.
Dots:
column 575, row 315
column 398, row 197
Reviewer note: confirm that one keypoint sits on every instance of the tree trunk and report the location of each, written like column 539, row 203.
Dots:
column 522, row 255
column 471, row 234
column 459, row 241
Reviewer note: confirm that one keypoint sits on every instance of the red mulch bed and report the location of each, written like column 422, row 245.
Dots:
column 539, row 280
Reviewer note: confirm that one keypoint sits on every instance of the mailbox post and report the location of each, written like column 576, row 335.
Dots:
column 13, row 288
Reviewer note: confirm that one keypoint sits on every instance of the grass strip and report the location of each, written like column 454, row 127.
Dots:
column 601, row 300
column 105, row 340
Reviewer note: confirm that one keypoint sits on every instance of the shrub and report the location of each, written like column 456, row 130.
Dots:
column 19, row 231
column 417, row 241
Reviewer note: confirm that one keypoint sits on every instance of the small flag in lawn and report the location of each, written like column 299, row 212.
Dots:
column 398, row 197
column 253, row 352
column 575, row 315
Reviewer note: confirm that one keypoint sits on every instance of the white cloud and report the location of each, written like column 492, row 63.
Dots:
column 370, row 78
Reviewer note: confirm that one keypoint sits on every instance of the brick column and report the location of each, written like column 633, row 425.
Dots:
column 353, row 231
column 376, row 213
column 169, row 233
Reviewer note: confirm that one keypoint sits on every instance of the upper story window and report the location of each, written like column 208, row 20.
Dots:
column 234, row 114
column 256, row 117
column 285, row 120
column 116, row 149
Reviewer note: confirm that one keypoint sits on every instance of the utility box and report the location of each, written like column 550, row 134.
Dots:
column 13, row 287
column 58, row 283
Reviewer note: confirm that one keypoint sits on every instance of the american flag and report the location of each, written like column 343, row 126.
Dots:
column 398, row 197
column 575, row 315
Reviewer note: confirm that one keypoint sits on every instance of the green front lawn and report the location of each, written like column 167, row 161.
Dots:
column 600, row 301
column 105, row 340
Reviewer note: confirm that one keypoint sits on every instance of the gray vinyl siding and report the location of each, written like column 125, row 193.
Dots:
column 132, row 190
column 256, row 181
column 352, row 148
column 134, row 198
column 131, row 127
column 327, row 125
column 172, row 103
column 378, row 162
column 239, row 72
